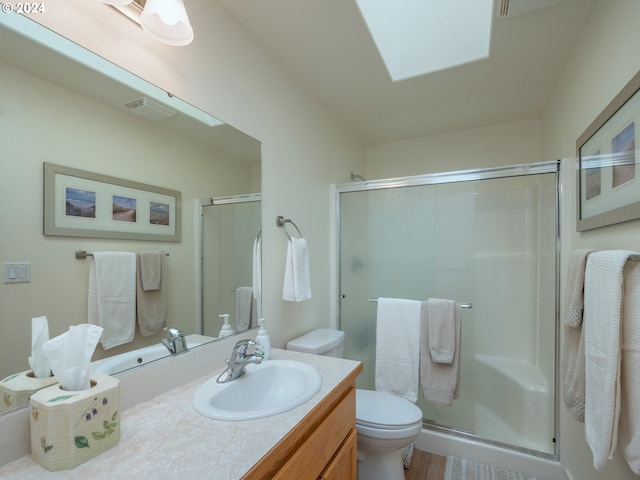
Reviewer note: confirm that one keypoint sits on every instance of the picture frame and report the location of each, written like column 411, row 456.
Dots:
column 78, row 203
column 608, row 171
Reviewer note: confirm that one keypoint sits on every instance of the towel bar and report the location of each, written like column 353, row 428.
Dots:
column 83, row 254
column 282, row 222
column 462, row 305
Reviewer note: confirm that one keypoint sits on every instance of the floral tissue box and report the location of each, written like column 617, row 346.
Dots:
column 68, row 428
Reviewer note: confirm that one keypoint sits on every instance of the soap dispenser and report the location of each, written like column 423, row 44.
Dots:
column 226, row 329
column 263, row 341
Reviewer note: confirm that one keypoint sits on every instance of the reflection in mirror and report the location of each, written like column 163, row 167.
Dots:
column 67, row 107
column 231, row 233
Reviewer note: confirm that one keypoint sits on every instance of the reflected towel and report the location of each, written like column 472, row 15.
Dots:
column 297, row 285
column 442, row 330
column 398, row 347
column 150, row 270
column 629, row 427
column 572, row 336
column 440, row 382
column 244, row 303
column 602, row 323
column 112, row 296
column 257, row 267
column 151, row 305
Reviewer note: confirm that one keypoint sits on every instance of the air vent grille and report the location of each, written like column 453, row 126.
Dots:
column 149, row 109
column 511, row 8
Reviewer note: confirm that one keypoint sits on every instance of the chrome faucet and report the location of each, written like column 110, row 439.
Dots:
column 240, row 359
column 176, row 342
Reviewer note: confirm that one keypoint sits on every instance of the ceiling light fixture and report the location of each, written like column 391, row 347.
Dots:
column 165, row 21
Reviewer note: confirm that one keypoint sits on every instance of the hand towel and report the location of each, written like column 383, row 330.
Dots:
column 602, row 322
column 398, row 347
column 257, row 267
column 574, row 287
column 151, row 305
column 572, row 336
column 244, row 302
column 442, row 330
column 297, row 285
column 440, row 382
column 629, row 427
column 150, row 270
column 112, row 296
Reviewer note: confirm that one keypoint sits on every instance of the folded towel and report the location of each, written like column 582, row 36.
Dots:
column 572, row 336
column 257, row 267
column 629, row 427
column 150, row 270
column 440, row 382
column 442, row 330
column 244, row 302
column 297, row 286
column 398, row 347
column 151, row 305
column 574, row 287
column 602, row 322
column 112, row 296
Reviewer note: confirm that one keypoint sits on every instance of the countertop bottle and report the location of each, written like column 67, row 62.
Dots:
column 263, row 341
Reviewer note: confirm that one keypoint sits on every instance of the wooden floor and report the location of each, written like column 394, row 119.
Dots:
column 426, row 466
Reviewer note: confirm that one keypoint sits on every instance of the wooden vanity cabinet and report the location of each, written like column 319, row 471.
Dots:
column 321, row 446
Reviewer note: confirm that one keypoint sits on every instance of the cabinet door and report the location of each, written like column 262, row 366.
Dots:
column 344, row 465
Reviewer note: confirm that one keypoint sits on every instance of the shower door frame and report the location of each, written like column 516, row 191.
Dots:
column 538, row 168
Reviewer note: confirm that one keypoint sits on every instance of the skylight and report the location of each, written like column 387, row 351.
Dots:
column 415, row 37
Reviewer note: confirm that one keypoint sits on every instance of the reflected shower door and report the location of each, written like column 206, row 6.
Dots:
column 489, row 242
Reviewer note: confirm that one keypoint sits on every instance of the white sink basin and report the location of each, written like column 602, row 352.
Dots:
column 128, row 360
column 272, row 387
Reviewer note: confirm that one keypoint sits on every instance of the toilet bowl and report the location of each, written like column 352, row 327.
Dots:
column 385, row 423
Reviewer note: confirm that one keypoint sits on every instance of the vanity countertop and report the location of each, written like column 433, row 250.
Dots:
column 165, row 438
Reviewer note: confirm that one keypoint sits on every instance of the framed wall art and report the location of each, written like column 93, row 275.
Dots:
column 78, row 203
column 608, row 181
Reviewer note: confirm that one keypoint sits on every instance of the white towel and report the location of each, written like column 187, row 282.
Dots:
column 112, row 296
column 629, row 433
column 574, row 287
column 244, row 302
column 398, row 347
column 442, row 330
column 440, row 382
column 297, row 285
column 602, row 323
column 257, row 267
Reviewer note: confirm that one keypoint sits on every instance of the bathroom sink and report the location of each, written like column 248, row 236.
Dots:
column 269, row 388
column 134, row 358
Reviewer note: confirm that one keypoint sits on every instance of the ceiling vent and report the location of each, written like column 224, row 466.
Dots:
column 149, row 109
column 511, row 8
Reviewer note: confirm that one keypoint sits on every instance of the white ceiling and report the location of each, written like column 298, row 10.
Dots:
column 326, row 44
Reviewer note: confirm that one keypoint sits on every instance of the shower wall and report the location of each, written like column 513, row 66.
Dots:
column 488, row 242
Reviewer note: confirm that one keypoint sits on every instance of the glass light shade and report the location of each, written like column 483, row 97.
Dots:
column 166, row 21
column 118, row 3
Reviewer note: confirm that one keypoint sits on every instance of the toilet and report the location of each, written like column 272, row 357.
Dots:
column 385, row 423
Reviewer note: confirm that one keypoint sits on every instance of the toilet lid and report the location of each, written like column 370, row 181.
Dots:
column 383, row 410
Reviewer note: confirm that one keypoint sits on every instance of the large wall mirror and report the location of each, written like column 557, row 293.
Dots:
column 63, row 105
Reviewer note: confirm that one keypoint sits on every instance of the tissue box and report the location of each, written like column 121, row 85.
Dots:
column 69, row 428
column 16, row 389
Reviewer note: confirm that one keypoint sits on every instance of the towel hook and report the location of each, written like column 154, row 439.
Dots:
column 282, row 222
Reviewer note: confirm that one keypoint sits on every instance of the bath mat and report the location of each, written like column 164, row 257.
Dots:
column 463, row 469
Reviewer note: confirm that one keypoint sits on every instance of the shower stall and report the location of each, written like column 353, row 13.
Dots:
column 487, row 238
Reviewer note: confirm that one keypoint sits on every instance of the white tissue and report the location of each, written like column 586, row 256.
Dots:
column 70, row 355
column 38, row 361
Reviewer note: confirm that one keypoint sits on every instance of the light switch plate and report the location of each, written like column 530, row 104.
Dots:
column 17, row 272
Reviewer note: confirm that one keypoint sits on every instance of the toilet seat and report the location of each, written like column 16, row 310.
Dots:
column 384, row 411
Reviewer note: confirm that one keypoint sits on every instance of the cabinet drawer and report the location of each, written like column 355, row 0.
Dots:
column 311, row 459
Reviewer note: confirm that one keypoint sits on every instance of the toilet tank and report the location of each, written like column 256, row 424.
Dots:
column 323, row 341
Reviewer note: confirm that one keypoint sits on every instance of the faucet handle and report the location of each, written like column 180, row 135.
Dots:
column 173, row 332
